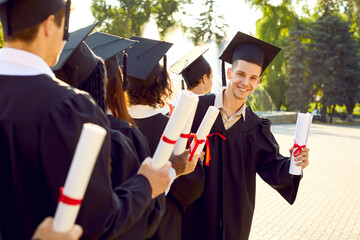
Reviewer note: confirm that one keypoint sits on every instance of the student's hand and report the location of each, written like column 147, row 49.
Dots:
column 44, row 232
column 181, row 163
column 303, row 159
column 159, row 178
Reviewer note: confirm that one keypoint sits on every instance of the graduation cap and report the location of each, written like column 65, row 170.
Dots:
column 244, row 46
column 108, row 47
column 76, row 61
column 143, row 62
column 192, row 66
column 17, row 15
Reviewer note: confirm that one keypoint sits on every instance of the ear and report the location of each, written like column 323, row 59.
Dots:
column 229, row 71
column 204, row 79
column 49, row 25
column 258, row 81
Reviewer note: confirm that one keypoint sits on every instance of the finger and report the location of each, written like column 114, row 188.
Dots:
column 302, row 159
column 76, row 232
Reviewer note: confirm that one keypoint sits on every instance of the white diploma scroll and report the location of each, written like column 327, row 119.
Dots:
column 301, row 135
column 87, row 150
column 204, row 128
column 173, row 129
column 181, row 142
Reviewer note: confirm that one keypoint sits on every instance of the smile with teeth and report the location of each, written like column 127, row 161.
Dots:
column 242, row 89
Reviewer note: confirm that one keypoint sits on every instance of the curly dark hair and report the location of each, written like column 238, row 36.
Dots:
column 154, row 96
column 94, row 84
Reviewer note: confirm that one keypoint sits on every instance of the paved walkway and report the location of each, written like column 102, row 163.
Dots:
column 328, row 201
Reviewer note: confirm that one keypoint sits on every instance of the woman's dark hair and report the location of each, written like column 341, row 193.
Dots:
column 194, row 83
column 94, row 84
column 115, row 98
column 154, row 96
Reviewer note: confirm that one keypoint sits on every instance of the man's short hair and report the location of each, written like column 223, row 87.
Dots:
column 29, row 34
column 192, row 84
column 247, row 59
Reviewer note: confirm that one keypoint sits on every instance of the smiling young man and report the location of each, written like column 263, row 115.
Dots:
column 225, row 209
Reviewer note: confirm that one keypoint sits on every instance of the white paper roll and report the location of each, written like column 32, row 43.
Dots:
column 181, row 142
column 301, row 136
column 172, row 175
column 173, row 129
column 205, row 127
column 87, row 150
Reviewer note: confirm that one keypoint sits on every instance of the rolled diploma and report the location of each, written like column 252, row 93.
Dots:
column 205, row 127
column 181, row 142
column 301, row 135
column 173, row 129
column 87, row 150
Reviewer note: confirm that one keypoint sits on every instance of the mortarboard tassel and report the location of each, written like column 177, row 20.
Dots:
column 8, row 17
column 164, row 70
column 67, row 18
column 223, row 73
column 182, row 85
column 125, row 55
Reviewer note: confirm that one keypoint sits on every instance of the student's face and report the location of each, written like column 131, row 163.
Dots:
column 244, row 78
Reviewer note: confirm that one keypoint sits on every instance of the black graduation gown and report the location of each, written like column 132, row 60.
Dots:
column 184, row 190
column 229, row 191
column 40, row 123
column 122, row 169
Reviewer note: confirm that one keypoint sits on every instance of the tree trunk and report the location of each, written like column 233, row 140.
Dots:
column 323, row 113
column 332, row 113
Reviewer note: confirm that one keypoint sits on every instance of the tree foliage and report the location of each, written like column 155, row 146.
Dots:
column 299, row 91
column 334, row 62
column 274, row 27
column 209, row 25
column 129, row 16
column 1, row 37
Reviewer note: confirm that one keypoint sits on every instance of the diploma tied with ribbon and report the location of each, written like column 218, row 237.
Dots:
column 82, row 165
column 172, row 132
column 182, row 141
column 202, row 133
column 301, row 136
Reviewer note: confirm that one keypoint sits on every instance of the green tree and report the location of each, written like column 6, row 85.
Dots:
column 129, row 16
column 209, row 25
column 274, row 27
column 1, row 37
column 299, row 87
column 334, row 62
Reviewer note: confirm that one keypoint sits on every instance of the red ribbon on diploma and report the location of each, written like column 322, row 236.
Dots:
column 198, row 142
column 297, row 149
column 171, row 108
column 167, row 140
column 67, row 200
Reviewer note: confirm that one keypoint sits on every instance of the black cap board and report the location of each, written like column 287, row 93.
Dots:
column 107, row 47
column 17, row 15
column 244, row 46
column 193, row 65
column 76, row 61
column 143, row 66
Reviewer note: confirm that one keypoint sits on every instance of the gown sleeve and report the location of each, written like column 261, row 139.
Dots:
column 104, row 213
column 272, row 167
column 123, row 169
